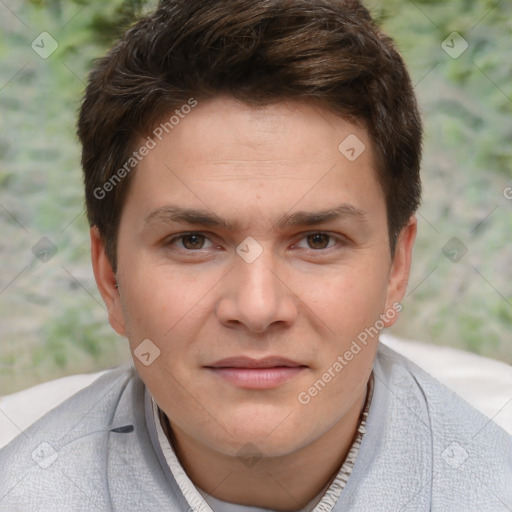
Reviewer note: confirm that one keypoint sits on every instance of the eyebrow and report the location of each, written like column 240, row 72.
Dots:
column 170, row 213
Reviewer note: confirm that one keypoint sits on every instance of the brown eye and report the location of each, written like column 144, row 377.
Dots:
column 318, row 241
column 193, row 241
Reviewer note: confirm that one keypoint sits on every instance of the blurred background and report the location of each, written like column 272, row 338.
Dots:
column 53, row 322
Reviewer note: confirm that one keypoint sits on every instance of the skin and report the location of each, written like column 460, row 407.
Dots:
column 305, row 298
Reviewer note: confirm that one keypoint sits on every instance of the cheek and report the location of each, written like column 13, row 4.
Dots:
column 348, row 300
column 170, row 310
column 155, row 298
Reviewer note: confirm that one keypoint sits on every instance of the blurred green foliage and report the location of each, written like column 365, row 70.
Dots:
column 466, row 105
column 54, row 320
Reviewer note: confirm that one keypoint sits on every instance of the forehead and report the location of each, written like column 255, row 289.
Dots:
column 273, row 133
column 231, row 154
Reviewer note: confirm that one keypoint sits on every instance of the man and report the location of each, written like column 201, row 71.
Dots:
column 252, row 174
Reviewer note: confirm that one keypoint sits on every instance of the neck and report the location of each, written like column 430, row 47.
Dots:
column 283, row 483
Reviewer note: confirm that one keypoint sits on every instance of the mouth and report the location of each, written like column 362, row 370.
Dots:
column 248, row 373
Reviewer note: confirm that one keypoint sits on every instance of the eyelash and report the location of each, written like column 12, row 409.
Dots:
column 340, row 241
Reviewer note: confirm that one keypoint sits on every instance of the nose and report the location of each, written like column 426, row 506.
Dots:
column 257, row 296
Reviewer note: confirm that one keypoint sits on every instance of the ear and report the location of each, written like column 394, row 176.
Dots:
column 106, row 282
column 400, row 269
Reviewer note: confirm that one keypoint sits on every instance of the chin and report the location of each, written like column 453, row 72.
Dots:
column 258, row 447
column 270, row 439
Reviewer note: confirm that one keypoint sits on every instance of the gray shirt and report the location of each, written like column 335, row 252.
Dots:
column 425, row 449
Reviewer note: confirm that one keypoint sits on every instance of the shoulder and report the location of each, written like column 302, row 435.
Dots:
column 443, row 404
column 448, row 413
column 73, row 433
column 470, row 453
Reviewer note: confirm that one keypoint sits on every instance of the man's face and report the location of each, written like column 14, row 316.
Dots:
column 273, row 278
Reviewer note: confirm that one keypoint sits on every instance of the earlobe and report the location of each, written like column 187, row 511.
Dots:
column 401, row 267
column 106, row 282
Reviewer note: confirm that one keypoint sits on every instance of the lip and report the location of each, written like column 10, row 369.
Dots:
column 248, row 373
column 248, row 362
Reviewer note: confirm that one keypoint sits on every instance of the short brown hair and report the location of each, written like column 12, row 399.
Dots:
column 329, row 52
